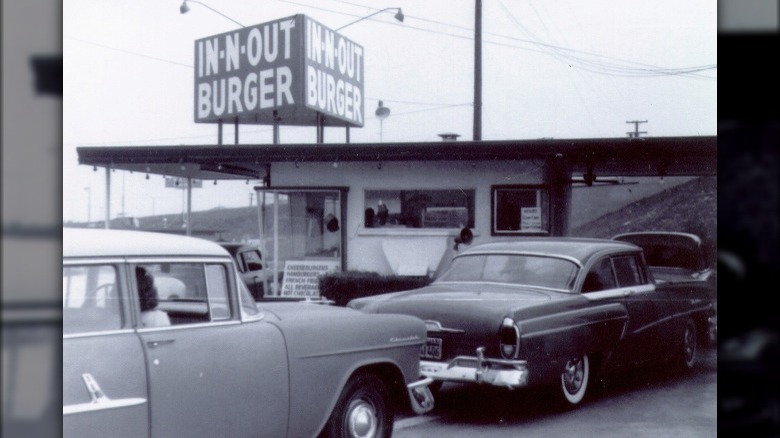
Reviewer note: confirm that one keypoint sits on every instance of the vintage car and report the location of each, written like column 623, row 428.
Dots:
column 161, row 338
column 677, row 258
column 249, row 262
column 537, row 311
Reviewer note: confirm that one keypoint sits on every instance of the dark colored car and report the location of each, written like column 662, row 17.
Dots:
column 551, row 311
column 675, row 257
column 249, row 261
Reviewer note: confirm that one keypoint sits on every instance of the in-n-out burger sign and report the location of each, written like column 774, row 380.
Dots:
column 289, row 70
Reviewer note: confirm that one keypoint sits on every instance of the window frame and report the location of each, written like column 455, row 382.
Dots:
column 471, row 210
column 546, row 212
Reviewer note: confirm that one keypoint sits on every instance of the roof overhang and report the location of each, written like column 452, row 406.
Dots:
column 664, row 156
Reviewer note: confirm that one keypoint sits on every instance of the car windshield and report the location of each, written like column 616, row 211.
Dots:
column 528, row 270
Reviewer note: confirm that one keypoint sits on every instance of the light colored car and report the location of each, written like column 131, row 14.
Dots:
column 552, row 310
column 207, row 360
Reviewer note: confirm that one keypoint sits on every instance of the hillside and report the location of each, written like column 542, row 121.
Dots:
column 691, row 207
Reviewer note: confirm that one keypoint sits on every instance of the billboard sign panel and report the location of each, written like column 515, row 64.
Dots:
column 288, row 70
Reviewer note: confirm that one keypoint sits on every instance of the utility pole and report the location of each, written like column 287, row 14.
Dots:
column 636, row 132
column 478, row 70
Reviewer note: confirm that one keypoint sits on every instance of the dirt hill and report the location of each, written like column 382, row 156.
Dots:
column 691, row 207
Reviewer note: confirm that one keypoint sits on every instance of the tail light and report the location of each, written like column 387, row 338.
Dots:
column 509, row 339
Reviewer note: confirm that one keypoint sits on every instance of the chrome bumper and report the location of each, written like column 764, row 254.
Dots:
column 420, row 396
column 478, row 369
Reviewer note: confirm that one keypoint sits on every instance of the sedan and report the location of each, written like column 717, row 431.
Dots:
column 161, row 338
column 540, row 311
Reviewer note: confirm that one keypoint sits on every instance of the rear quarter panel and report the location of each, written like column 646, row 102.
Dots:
column 323, row 354
column 552, row 332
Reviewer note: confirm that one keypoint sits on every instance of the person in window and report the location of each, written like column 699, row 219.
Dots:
column 147, row 294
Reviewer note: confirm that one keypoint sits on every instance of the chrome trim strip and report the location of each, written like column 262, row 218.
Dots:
column 100, row 400
column 435, row 326
column 99, row 333
column 186, row 326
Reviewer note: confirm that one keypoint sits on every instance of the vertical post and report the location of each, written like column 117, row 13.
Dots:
column 219, row 132
column 189, row 205
column 108, row 197
column 347, row 133
column 276, row 243
column 235, row 124
column 320, row 128
column 89, row 204
column 478, row 70
column 276, row 128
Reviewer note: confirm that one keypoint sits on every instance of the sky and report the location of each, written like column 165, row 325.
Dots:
column 550, row 69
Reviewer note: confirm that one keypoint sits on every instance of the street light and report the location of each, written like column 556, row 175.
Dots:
column 184, row 9
column 398, row 16
column 89, row 204
column 382, row 112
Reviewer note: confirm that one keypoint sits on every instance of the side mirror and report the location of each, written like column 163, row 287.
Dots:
column 465, row 237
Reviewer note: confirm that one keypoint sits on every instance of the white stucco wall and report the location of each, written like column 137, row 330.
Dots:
column 390, row 250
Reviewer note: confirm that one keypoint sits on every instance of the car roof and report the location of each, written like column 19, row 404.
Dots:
column 579, row 248
column 92, row 242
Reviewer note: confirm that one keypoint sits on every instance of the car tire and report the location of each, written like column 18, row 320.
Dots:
column 688, row 349
column 574, row 380
column 363, row 410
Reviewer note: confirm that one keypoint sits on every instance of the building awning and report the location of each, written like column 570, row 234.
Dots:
column 650, row 156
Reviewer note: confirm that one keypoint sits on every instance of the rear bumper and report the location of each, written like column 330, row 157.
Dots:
column 478, row 369
column 420, row 396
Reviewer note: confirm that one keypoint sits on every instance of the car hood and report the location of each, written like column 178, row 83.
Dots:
column 459, row 306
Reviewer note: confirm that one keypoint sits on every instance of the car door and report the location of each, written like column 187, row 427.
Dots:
column 210, row 374
column 103, row 369
column 620, row 278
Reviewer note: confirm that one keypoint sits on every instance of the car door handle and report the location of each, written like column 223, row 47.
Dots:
column 154, row 344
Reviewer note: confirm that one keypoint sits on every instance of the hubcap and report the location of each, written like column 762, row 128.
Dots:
column 689, row 345
column 573, row 375
column 362, row 421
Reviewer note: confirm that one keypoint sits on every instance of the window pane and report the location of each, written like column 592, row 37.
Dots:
column 547, row 272
column 627, row 271
column 216, row 281
column 90, row 299
column 419, row 209
column 600, row 277
column 520, row 210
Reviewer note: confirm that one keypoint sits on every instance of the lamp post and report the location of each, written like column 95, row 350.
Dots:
column 184, row 9
column 398, row 16
column 89, row 204
column 382, row 112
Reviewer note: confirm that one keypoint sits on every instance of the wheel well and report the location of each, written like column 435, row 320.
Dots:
column 394, row 381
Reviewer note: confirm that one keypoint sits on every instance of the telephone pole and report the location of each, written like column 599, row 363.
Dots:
column 636, row 132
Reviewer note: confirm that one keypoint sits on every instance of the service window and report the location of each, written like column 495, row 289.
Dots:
column 90, row 299
column 520, row 210
column 419, row 208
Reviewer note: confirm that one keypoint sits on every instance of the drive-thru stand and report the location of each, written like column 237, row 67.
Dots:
column 397, row 208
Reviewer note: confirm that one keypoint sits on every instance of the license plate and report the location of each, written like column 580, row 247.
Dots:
column 431, row 349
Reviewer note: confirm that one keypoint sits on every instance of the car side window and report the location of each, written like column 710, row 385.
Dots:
column 627, row 270
column 191, row 293
column 90, row 299
column 600, row 277
column 252, row 260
